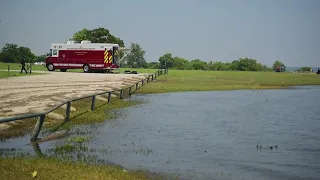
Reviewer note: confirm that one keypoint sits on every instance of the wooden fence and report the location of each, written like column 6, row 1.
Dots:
column 41, row 116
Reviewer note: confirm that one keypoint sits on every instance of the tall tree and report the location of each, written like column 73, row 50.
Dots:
column 278, row 63
column 181, row 63
column 166, row 60
column 13, row 53
column 40, row 58
column 197, row 64
column 136, row 57
column 98, row 35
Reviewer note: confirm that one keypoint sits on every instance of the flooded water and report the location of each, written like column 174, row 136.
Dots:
column 213, row 135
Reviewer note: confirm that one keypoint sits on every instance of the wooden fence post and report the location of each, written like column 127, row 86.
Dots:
column 37, row 128
column 93, row 102
column 68, row 111
column 109, row 97
column 121, row 92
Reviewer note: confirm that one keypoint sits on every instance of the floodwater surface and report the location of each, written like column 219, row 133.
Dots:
column 213, row 135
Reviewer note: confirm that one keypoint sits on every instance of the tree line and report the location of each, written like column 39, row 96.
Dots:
column 12, row 53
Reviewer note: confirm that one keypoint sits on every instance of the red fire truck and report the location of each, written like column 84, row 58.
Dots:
column 85, row 55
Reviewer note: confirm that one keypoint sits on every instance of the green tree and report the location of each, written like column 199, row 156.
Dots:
column 154, row 65
column 197, row 64
column 278, row 63
column 210, row 65
column 40, row 58
column 181, row 63
column 98, row 35
column 218, row 66
column 12, row 53
column 304, row 69
column 166, row 60
column 136, row 57
column 246, row 64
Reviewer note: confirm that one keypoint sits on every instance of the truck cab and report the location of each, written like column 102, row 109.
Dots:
column 51, row 57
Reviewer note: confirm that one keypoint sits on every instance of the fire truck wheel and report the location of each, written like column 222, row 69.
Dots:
column 63, row 70
column 86, row 68
column 50, row 67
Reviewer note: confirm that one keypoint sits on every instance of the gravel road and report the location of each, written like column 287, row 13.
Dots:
column 19, row 94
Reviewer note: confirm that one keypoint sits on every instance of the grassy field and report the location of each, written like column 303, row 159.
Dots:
column 17, row 66
column 190, row 80
column 53, row 168
column 4, row 74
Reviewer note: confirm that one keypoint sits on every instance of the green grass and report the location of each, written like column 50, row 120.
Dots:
column 53, row 168
column 17, row 66
column 4, row 74
column 191, row 80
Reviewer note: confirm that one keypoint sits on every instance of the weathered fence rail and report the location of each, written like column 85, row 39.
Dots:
column 42, row 115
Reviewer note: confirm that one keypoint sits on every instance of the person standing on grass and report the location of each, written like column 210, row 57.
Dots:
column 23, row 65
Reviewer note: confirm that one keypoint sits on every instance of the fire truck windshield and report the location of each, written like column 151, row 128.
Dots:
column 50, row 53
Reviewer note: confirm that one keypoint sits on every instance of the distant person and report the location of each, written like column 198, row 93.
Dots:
column 23, row 66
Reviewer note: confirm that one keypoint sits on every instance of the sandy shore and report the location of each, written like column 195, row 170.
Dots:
column 19, row 94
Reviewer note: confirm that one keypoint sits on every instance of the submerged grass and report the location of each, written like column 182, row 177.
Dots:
column 72, row 159
column 191, row 80
column 82, row 116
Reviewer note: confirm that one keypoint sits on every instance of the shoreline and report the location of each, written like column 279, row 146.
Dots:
column 231, row 89
column 82, row 116
column 163, row 84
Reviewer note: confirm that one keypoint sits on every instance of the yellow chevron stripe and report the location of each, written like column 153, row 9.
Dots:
column 106, row 53
column 110, row 59
column 106, row 56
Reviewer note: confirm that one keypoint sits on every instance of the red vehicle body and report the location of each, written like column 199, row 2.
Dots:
column 85, row 55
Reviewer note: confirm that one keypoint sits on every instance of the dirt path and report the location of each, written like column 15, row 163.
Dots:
column 19, row 94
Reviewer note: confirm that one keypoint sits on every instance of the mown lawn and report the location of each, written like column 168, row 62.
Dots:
column 17, row 66
column 191, row 80
column 5, row 74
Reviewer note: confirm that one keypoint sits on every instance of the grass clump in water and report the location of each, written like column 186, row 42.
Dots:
column 78, row 139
